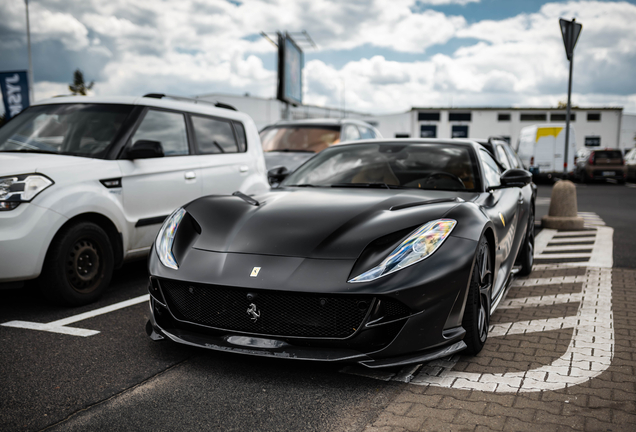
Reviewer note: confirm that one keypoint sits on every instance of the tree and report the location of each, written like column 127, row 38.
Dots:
column 79, row 87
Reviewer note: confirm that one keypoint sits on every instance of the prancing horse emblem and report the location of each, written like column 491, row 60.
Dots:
column 253, row 312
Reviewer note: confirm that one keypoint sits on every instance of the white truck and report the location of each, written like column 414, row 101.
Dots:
column 542, row 150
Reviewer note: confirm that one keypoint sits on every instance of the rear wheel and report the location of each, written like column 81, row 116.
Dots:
column 78, row 265
column 477, row 312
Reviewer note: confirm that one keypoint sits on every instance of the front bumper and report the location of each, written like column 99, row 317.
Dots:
column 25, row 235
column 434, row 291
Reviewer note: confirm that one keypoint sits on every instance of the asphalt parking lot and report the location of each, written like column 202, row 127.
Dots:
column 561, row 356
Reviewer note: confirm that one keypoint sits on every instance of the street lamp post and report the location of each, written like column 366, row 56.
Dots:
column 570, row 30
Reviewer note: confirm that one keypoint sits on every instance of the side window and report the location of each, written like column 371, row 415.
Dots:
column 513, row 158
column 503, row 158
column 491, row 170
column 166, row 127
column 240, row 134
column 351, row 133
column 214, row 136
column 366, row 133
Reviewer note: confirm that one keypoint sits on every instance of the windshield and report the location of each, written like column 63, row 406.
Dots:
column 299, row 138
column 66, row 129
column 412, row 166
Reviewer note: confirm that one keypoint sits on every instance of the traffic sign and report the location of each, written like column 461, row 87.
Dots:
column 570, row 30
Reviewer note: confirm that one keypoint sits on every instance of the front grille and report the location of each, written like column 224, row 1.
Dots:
column 282, row 314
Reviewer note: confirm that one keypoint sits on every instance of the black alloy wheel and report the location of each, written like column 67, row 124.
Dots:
column 527, row 248
column 78, row 265
column 477, row 313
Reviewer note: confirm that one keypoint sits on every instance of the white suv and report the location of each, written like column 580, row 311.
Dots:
column 85, row 183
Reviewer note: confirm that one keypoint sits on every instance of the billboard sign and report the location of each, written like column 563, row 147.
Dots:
column 15, row 92
column 290, row 68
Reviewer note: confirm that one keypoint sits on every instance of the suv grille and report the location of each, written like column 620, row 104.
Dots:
column 282, row 314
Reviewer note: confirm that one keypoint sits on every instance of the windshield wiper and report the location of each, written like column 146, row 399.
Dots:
column 300, row 185
column 28, row 150
column 368, row 185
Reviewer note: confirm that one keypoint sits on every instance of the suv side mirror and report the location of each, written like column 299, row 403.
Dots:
column 515, row 178
column 277, row 175
column 145, row 149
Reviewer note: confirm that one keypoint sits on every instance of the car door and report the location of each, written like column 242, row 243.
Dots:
column 502, row 206
column 222, row 149
column 153, row 188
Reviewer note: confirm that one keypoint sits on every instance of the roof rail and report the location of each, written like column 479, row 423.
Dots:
column 186, row 99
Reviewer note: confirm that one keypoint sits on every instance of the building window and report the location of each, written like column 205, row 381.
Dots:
column 592, row 141
column 561, row 117
column 428, row 116
column 503, row 117
column 459, row 116
column 428, row 131
column 533, row 117
column 459, row 132
column 593, row 116
column 402, row 135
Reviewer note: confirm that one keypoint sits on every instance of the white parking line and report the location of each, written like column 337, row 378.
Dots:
column 546, row 300
column 59, row 326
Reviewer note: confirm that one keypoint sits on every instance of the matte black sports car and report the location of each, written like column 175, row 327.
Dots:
column 379, row 252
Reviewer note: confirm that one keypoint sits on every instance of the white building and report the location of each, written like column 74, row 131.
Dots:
column 594, row 127
column 628, row 131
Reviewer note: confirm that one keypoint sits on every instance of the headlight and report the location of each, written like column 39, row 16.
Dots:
column 165, row 239
column 418, row 246
column 21, row 188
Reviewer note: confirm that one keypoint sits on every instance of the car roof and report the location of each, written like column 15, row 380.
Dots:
column 167, row 103
column 402, row 141
column 320, row 122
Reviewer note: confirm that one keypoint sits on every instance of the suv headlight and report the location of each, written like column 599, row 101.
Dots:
column 418, row 246
column 21, row 188
column 165, row 239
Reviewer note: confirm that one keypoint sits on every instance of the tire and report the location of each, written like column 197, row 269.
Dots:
column 78, row 266
column 477, row 312
column 526, row 258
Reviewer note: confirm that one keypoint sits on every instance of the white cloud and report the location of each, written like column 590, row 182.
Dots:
column 201, row 46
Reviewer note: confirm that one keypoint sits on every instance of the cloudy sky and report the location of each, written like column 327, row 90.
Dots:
column 389, row 55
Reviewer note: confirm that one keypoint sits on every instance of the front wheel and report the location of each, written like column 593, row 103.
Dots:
column 477, row 311
column 78, row 265
column 527, row 249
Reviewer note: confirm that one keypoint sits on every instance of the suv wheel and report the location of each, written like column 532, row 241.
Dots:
column 78, row 265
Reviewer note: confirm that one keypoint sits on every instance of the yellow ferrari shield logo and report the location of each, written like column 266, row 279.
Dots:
column 255, row 271
column 502, row 219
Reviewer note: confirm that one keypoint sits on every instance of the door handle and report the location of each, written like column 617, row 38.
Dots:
column 190, row 175
column 244, row 168
column 520, row 198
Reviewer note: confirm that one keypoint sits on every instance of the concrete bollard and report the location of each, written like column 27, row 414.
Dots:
column 563, row 208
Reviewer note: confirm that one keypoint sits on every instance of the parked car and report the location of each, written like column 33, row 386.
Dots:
column 541, row 148
column 290, row 143
column 630, row 165
column 502, row 152
column 85, row 183
column 380, row 252
column 600, row 165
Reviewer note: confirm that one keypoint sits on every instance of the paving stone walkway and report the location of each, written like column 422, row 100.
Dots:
column 561, row 353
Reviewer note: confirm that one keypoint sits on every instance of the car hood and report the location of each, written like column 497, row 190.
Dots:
column 25, row 163
column 320, row 223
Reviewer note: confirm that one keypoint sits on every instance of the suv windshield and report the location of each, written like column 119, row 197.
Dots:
column 66, row 129
column 299, row 138
column 416, row 166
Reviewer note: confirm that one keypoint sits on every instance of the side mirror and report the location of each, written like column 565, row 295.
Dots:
column 277, row 175
column 515, row 178
column 145, row 149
